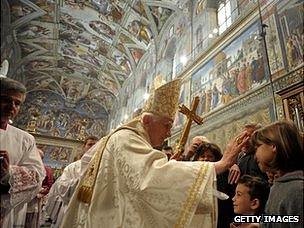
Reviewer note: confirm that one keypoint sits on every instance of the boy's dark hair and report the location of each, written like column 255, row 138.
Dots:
column 288, row 143
column 215, row 150
column 88, row 138
column 258, row 189
column 8, row 84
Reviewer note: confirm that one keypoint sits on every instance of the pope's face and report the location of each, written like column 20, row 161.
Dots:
column 11, row 102
column 159, row 129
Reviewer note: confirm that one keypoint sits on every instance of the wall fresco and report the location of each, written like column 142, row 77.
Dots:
column 47, row 113
column 233, row 71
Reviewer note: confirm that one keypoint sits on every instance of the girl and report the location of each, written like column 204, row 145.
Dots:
column 279, row 149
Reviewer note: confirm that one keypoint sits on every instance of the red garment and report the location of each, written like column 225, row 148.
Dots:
column 48, row 180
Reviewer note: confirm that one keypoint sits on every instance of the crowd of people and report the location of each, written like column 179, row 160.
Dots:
column 125, row 180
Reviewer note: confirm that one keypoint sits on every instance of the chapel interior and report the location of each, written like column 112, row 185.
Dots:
column 89, row 65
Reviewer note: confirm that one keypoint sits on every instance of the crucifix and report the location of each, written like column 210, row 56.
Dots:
column 191, row 116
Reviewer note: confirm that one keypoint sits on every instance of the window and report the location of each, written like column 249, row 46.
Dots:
column 224, row 15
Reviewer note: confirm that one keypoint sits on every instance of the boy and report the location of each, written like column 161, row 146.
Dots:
column 251, row 195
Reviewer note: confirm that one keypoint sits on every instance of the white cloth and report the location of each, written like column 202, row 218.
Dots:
column 137, row 187
column 26, row 172
column 61, row 192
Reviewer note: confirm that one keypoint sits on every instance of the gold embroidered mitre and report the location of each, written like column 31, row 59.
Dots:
column 163, row 101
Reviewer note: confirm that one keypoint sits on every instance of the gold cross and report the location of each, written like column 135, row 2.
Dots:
column 191, row 116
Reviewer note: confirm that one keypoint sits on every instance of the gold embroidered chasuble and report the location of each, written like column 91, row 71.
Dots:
column 137, row 187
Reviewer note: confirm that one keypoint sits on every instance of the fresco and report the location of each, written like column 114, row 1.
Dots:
column 36, row 30
column 227, row 131
column 27, row 49
column 273, row 45
column 160, row 16
column 49, row 114
column 85, row 43
column 20, row 10
column 204, row 24
column 180, row 118
column 136, row 54
column 290, row 16
column 49, row 7
column 56, row 157
column 233, row 71
column 109, row 10
column 139, row 29
column 139, row 8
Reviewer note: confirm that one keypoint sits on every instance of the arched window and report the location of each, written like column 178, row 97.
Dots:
column 224, row 15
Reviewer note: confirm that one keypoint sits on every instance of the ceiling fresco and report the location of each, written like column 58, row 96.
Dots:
column 84, row 50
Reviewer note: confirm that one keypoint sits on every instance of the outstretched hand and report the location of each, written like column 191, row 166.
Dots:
column 234, row 147
column 230, row 155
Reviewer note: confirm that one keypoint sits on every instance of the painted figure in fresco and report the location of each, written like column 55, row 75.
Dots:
column 199, row 37
column 292, row 52
column 63, row 119
column 226, row 93
column 242, row 80
column 109, row 10
column 260, row 71
column 55, row 132
column 140, row 31
column 200, row 7
column 215, row 96
column 46, row 120
column 208, row 95
column 254, row 65
column 249, row 75
column 202, row 104
column 296, row 40
column 63, row 155
column 156, row 15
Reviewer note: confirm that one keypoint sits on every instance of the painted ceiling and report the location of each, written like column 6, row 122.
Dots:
column 85, row 49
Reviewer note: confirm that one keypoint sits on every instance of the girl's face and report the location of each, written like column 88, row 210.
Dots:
column 264, row 155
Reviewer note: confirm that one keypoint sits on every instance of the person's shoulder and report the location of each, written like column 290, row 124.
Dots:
column 21, row 133
column 73, row 164
column 123, row 133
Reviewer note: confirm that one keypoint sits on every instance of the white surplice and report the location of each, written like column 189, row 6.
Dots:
column 137, row 187
column 26, row 173
column 61, row 192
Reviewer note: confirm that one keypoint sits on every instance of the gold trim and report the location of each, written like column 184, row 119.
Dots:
column 192, row 197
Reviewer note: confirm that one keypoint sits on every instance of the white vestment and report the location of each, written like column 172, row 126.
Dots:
column 61, row 192
column 136, row 186
column 26, row 173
